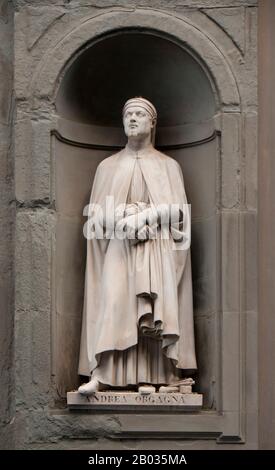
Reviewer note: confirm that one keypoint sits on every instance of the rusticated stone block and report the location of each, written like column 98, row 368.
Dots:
column 34, row 238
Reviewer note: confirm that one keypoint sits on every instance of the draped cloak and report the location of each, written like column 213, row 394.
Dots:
column 136, row 290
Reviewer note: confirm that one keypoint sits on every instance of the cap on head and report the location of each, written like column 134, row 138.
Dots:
column 142, row 103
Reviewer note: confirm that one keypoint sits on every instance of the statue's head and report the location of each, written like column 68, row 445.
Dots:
column 139, row 118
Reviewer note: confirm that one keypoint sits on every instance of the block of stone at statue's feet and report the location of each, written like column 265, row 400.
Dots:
column 168, row 389
column 146, row 389
column 185, row 388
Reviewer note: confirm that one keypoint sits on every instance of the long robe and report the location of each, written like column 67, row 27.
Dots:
column 138, row 312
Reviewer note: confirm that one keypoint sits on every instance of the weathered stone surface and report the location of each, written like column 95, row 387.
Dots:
column 39, row 20
column 242, row 61
column 34, row 236
column 32, row 359
column 7, row 225
column 218, row 33
column 232, row 20
column 68, row 17
column 22, row 153
column 33, row 164
column 230, row 160
column 34, row 239
column 231, row 367
column 248, row 81
column 37, row 425
column 24, row 69
column 230, row 261
column 6, row 72
column 125, row 3
column 41, row 162
column 57, row 427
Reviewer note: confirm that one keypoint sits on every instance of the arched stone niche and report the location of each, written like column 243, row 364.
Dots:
column 88, row 104
column 203, row 131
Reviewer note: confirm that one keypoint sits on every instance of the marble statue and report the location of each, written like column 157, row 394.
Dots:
column 137, row 328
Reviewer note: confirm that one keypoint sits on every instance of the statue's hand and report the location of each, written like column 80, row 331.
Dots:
column 135, row 208
column 131, row 224
column 151, row 215
column 147, row 233
column 143, row 234
column 134, row 223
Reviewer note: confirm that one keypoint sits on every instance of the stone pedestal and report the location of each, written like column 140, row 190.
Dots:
column 133, row 401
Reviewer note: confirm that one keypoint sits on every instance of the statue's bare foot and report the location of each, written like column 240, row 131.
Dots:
column 90, row 388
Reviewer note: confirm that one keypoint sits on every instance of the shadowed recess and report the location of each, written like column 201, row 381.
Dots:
column 129, row 64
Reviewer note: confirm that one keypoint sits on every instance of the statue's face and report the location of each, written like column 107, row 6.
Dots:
column 137, row 122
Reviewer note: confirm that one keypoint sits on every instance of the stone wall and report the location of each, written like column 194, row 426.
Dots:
column 266, row 224
column 48, row 33
column 7, row 212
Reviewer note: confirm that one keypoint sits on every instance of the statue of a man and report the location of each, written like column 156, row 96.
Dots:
column 137, row 324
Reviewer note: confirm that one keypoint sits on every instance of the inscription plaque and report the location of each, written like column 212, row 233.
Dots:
column 131, row 400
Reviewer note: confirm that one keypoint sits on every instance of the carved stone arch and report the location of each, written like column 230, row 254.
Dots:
column 54, row 63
